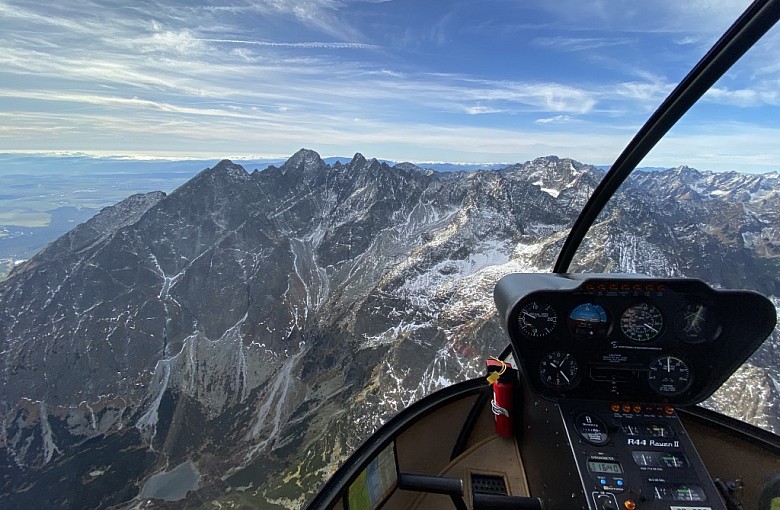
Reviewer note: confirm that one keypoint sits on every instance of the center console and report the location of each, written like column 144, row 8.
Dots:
column 631, row 456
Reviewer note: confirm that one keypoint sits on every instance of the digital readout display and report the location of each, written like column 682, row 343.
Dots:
column 604, row 467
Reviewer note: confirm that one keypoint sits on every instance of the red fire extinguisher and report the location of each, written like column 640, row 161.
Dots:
column 501, row 404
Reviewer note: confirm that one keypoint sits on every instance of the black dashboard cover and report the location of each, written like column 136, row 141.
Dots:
column 640, row 339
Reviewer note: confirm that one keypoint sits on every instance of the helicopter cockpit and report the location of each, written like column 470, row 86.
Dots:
column 613, row 356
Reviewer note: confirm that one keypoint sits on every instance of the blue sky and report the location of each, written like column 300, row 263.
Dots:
column 472, row 81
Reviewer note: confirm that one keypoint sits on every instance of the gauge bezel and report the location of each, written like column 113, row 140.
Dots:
column 521, row 325
column 598, row 335
column 576, row 378
column 677, row 391
column 711, row 328
column 659, row 331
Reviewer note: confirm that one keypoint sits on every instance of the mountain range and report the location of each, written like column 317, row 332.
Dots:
column 235, row 339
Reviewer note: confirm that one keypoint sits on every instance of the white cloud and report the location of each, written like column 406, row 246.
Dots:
column 558, row 119
column 719, row 147
column 181, row 42
column 643, row 92
column 581, row 43
column 307, row 45
column 745, row 97
column 479, row 110
column 687, row 39
column 549, row 97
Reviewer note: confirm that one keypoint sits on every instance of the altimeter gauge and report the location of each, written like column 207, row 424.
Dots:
column 559, row 371
column 641, row 322
column 669, row 375
column 537, row 319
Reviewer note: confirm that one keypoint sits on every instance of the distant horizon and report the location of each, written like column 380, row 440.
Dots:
column 273, row 158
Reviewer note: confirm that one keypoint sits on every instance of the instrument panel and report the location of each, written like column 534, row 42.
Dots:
column 629, row 337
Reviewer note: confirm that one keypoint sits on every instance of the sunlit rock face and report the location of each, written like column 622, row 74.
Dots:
column 254, row 327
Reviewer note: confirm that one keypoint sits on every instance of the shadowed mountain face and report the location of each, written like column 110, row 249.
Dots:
column 246, row 331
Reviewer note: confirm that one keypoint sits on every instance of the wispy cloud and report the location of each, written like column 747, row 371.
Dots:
column 558, row 119
column 480, row 110
column 308, row 45
column 581, row 43
column 181, row 42
column 745, row 97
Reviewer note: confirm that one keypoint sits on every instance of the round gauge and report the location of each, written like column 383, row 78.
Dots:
column 589, row 320
column 537, row 319
column 559, row 371
column 697, row 323
column 641, row 322
column 669, row 375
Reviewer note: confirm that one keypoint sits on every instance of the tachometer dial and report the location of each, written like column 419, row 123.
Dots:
column 559, row 370
column 641, row 322
column 537, row 319
column 669, row 375
column 588, row 320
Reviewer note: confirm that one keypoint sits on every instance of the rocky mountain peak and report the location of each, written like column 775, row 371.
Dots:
column 107, row 221
column 553, row 175
column 302, row 162
column 224, row 175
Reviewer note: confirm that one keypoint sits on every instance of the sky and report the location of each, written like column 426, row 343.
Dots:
column 477, row 81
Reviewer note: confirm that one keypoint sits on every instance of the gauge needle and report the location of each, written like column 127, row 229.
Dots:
column 669, row 365
column 651, row 328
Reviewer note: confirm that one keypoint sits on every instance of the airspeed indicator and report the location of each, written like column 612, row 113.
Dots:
column 641, row 322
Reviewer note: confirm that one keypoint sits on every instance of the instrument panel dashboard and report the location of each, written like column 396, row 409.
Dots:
column 629, row 337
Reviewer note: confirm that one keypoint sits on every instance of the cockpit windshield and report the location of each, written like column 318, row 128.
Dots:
column 196, row 311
